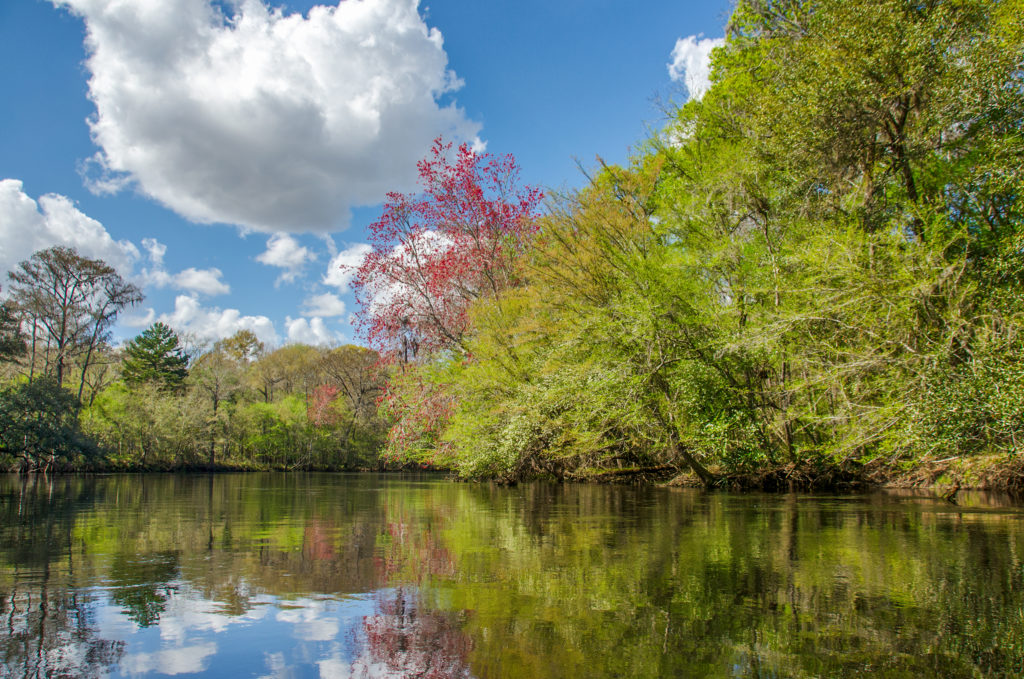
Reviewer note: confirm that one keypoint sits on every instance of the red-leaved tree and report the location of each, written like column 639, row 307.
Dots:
column 434, row 253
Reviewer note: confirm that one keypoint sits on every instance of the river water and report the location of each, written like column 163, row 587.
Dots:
column 321, row 575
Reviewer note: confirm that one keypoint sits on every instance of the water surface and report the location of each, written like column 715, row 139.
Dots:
column 318, row 575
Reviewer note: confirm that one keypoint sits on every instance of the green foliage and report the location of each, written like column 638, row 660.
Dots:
column 817, row 263
column 39, row 426
column 237, row 407
column 12, row 340
column 149, row 426
column 236, row 413
column 242, row 346
column 155, row 356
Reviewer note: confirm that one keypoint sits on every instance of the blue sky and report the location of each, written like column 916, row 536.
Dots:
column 227, row 156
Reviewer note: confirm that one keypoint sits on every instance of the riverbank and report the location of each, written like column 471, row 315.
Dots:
column 1003, row 473
column 229, row 466
column 1000, row 472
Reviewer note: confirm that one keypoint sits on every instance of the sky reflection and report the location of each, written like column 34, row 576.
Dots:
column 302, row 637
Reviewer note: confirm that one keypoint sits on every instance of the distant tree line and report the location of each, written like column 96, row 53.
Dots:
column 71, row 400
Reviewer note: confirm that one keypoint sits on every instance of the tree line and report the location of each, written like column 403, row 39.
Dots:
column 69, row 399
column 813, row 274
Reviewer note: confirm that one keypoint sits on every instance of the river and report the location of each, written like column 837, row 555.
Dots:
column 363, row 575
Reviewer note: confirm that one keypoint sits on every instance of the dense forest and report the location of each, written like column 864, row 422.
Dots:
column 812, row 274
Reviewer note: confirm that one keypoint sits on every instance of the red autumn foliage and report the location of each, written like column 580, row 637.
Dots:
column 436, row 251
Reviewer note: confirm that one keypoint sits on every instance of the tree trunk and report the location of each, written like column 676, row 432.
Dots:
column 677, row 451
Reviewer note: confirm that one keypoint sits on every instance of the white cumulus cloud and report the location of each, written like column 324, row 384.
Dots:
column 269, row 120
column 143, row 320
column 213, row 323
column 284, row 252
column 27, row 225
column 328, row 304
column 205, row 281
column 156, row 250
column 691, row 63
column 342, row 267
column 311, row 331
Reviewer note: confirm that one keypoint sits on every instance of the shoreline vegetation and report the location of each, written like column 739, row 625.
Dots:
column 811, row 277
column 1000, row 473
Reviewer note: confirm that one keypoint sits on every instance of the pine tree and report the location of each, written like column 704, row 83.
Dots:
column 155, row 356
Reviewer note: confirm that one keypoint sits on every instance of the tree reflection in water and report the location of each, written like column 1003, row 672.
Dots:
column 142, row 586
column 404, row 640
column 48, row 629
column 392, row 576
column 50, row 633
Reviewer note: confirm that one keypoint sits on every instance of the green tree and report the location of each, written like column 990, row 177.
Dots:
column 817, row 263
column 39, row 425
column 291, row 368
column 148, row 425
column 12, row 341
column 220, row 375
column 243, row 346
column 155, row 356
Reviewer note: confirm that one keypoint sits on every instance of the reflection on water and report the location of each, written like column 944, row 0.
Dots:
column 385, row 576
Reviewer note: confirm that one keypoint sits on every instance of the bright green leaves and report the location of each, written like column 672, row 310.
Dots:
column 804, row 269
column 884, row 100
